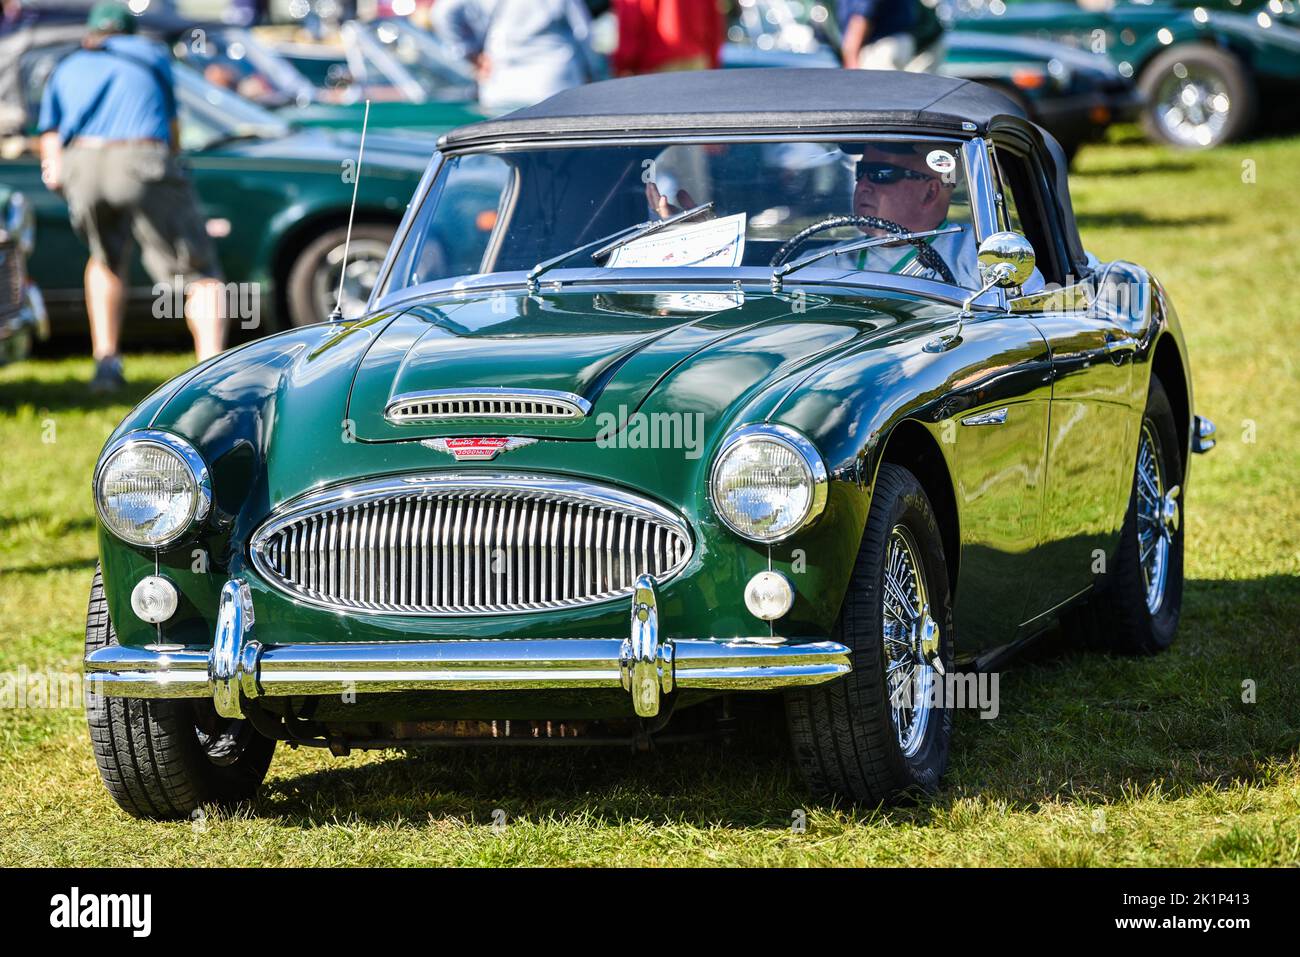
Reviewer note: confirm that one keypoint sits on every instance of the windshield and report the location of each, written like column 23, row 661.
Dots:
column 771, row 203
column 210, row 114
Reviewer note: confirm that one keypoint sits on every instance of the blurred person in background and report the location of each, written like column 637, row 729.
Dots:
column 109, row 141
column 876, row 34
column 655, row 36
column 523, row 50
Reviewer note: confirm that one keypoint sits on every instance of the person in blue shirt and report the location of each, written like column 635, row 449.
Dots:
column 109, row 142
column 876, row 34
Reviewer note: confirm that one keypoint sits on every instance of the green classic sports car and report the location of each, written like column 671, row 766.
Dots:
column 275, row 199
column 1206, row 75
column 800, row 383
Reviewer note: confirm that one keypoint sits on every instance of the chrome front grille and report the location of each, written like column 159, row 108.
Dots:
column 468, row 544
column 487, row 403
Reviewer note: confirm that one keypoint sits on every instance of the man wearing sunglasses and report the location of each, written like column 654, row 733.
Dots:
column 902, row 183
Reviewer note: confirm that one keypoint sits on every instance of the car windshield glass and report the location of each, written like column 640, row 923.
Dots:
column 210, row 114
column 508, row 211
column 442, row 74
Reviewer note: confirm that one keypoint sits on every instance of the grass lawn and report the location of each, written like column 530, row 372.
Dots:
column 1093, row 760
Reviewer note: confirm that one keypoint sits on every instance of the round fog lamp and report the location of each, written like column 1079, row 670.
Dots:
column 769, row 595
column 154, row 599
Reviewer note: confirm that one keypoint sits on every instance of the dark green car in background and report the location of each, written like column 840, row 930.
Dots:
column 1208, row 73
column 275, row 200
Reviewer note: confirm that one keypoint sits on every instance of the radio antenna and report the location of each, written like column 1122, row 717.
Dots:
column 337, row 314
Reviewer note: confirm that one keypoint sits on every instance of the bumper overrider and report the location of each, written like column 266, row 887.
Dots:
column 240, row 668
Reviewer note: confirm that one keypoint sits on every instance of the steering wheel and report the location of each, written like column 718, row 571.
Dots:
column 927, row 255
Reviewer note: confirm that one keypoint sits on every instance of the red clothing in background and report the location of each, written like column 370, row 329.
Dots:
column 653, row 34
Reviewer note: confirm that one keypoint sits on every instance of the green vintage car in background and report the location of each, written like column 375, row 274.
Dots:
column 275, row 199
column 1074, row 94
column 702, row 420
column 1208, row 73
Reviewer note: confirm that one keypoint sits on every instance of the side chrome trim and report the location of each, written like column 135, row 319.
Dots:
column 992, row 417
column 440, row 405
column 240, row 666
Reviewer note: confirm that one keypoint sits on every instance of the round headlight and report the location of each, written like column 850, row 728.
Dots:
column 151, row 487
column 768, row 482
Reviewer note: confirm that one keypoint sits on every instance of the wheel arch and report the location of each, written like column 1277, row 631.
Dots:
column 912, row 446
column 1168, row 366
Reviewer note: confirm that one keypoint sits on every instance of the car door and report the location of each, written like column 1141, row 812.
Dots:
column 995, row 421
column 1091, row 425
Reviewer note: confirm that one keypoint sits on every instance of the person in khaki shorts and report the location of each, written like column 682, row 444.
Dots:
column 109, row 144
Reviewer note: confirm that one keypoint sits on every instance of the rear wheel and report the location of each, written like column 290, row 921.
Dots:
column 313, row 283
column 162, row 759
column 881, row 733
column 1197, row 97
column 1137, row 604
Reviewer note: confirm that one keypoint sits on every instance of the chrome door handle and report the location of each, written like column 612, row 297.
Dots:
column 1118, row 345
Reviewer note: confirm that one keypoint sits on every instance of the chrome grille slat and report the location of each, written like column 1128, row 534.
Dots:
column 485, row 403
column 479, row 548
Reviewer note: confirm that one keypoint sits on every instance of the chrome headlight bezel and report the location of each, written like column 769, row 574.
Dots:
column 201, row 504
column 795, row 442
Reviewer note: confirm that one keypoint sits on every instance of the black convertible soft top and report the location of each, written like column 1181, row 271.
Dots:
column 718, row 101
column 779, row 101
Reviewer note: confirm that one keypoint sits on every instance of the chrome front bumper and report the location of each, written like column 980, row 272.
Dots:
column 240, row 667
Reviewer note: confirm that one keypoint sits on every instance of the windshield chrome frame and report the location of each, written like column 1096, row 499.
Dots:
column 979, row 186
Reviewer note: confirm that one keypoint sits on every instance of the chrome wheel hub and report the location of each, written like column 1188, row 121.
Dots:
column 1192, row 105
column 911, row 641
column 365, row 257
column 1157, row 519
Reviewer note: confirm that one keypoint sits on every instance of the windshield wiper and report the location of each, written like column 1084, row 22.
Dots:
column 616, row 240
column 867, row 242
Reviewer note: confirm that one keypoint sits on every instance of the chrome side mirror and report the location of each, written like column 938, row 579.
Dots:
column 1006, row 260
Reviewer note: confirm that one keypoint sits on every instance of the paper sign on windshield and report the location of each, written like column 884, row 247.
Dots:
column 715, row 242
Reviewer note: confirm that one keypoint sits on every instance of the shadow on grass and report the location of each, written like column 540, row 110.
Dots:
column 1136, row 219
column 1074, row 726
column 71, row 394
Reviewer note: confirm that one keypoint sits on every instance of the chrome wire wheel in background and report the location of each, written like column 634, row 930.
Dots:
column 1157, row 518
column 1192, row 104
column 365, row 257
column 908, row 629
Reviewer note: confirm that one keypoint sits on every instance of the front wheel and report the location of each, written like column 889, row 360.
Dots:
column 882, row 732
column 313, row 285
column 163, row 759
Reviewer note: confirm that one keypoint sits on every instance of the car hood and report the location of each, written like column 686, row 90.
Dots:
column 680, row 352
column 971, row 45
column 408, row 153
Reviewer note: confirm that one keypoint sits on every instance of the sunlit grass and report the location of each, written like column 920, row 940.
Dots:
column 1093, row 760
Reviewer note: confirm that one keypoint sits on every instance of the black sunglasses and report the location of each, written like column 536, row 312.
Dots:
column 883, row 174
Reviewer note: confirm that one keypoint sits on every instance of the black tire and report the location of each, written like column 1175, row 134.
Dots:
column 1117, row 618
column 305, row 303
column 1230, row 72
column 842, row 733
column 149, row 751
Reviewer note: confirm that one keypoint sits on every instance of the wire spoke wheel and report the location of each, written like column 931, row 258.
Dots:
column 909, row 676
column 365, row 258
column 1192, row 104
